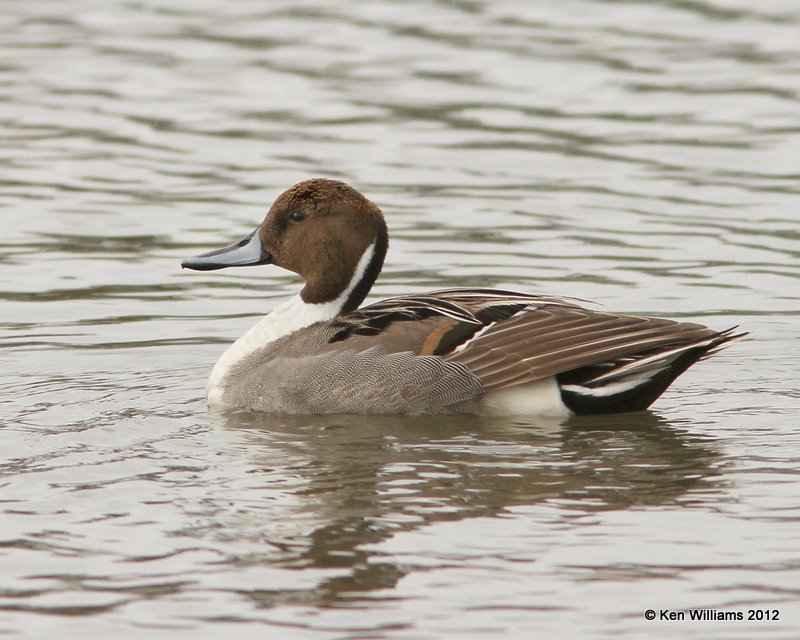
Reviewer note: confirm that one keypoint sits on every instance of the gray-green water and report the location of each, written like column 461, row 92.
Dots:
column 641, row 154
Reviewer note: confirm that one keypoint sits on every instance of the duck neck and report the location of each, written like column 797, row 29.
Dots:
column 366, row 272
column 296, row 313
column 330, row 288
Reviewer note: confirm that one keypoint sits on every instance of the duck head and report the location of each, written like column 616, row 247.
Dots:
column 323, row 230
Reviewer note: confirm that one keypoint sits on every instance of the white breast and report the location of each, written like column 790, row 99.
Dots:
column 287, row 318
column 292, row 315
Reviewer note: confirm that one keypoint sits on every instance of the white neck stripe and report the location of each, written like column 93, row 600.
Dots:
column 286, row 318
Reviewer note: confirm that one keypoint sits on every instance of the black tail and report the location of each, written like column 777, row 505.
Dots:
column 634, row 383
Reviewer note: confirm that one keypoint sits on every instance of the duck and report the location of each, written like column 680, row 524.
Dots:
column 460, row 350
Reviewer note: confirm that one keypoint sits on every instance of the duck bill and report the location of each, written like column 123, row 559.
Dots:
column 247, row 252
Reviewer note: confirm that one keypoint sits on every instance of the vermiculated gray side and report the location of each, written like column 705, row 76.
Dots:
column 306, row 375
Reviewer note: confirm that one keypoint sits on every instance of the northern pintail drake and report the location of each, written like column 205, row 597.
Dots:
column 448, row 351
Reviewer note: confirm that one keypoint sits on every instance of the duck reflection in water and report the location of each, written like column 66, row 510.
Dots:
column 363, row 480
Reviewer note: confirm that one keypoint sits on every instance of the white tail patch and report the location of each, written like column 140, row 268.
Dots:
column 540, row 397
column 631, row 381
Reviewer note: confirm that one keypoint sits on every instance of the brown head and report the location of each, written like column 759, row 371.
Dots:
column 320, row 229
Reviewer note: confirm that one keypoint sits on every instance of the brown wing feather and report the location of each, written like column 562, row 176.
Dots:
column 553, row 339
column 507, row 338
column 420, row 336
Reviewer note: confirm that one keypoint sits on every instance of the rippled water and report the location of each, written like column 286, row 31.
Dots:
column 641, row 154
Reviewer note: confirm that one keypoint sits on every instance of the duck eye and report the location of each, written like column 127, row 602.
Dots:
column 297, row 216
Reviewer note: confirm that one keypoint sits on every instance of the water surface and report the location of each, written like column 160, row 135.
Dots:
column 640, row 154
